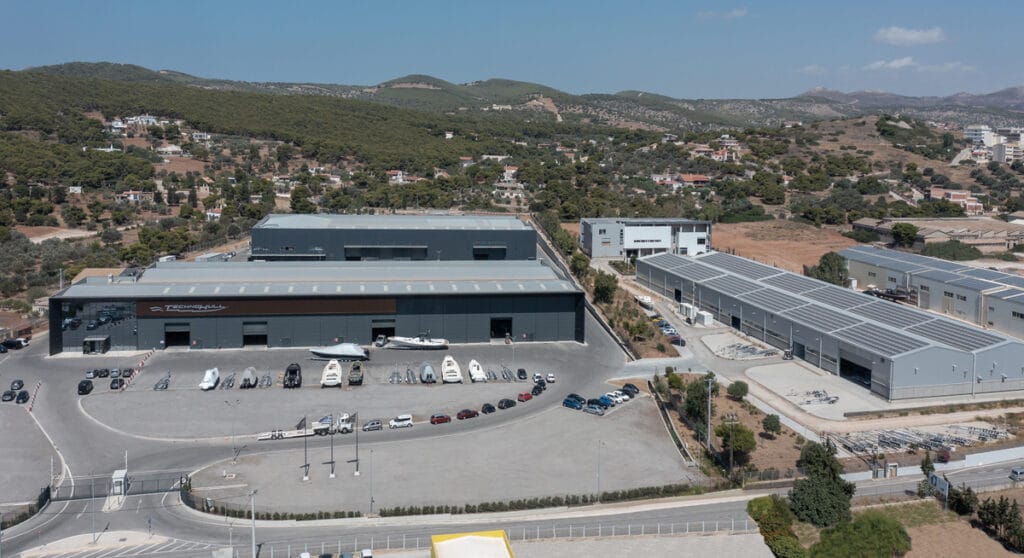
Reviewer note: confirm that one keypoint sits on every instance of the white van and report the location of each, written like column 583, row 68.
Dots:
column 401, row 421
column 1017, row 473
column 210, row 379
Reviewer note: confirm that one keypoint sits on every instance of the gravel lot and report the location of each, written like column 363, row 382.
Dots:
column 554, row 452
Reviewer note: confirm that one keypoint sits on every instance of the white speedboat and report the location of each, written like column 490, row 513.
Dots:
column 476, row 372
column 421, row 341
column 331, row 376
column 450, row 371
column 342, row 351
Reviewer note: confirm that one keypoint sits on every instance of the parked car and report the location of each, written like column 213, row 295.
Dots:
column 19, row 343
column 22, row 397
column 103, row 373
column 551, row 377
column 90, row 374
column 596, row 403
column 162, row 384
column 17, row 384
column 487, row 409
column 2, row 349
column 576, row 397
column 85, row 387
column 8, row 396
column 127, row 372
column 115, row 372
column 506, row 404
column 537, row 390
column 116, row 383
column 401, row 421
column 631, row 389
column 606, row 401
column 625, row 396
column 540, row 382
column 467, row 414
column 371, row 425
column 572, row 403
column 440, row 418
column 594, row 410
column 615, row 397
column 93, row 324
column 524, row 397
column 521, row 373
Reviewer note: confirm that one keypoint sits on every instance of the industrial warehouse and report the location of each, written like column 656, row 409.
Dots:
column 897, row 351
column 296, row 237
column 310, row 304
column 986, row 297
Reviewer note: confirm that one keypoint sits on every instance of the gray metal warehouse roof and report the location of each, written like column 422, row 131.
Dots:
column 877, row 325
column 413, row 222
column 972, row 278
column 391, row 278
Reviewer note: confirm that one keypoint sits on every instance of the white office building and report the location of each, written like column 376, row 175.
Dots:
column 614, row 237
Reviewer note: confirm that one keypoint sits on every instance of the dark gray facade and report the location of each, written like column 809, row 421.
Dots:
column 284, row 237
column 484, row 300
column 894, row 350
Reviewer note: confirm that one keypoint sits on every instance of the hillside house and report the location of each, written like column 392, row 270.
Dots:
column 170, row 149
column 694, row 180
column 134, row 196
column 962, row 198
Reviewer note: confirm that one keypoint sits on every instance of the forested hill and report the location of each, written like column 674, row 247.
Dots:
column 326, row 128
column 536, row 102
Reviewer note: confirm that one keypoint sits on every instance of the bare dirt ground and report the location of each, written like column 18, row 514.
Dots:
column 780, row 453
column 955, row 538
column 866, row 138
column 786, row 244
column 40, row 234
column 572, row 228
column 180, row 165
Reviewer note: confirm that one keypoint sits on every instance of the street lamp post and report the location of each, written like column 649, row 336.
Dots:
column 252, row 499
column 332, row 453
column 234, row 450
column 371, row 482
column 355, row 425
column 599, row 444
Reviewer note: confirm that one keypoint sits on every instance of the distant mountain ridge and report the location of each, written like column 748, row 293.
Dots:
column 625, row 108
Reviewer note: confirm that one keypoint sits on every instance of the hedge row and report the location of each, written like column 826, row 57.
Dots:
column 775, row 520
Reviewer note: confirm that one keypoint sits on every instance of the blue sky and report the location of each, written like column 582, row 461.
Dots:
column 706, row 49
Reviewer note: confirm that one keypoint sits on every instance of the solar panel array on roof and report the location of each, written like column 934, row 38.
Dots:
column 955, row 335
column 663, row 261
column 732, row 285
column 697, row 272
column 982, row 273
column 939, row 275
column 1014, row 280
column 838, row 297
column 772, row 300
column 881, row 340
column 793, row 283
column 820, row 317
column 979, row 285
column 1010, row 293
column 890, row 313
column 741, row 266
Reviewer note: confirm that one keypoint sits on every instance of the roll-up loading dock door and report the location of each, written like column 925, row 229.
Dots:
column 177, row 334
column 254, row 333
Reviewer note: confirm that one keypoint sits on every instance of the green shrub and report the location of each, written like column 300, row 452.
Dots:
column 871, row 534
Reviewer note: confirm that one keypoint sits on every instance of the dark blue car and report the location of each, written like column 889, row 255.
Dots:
column 572, row 403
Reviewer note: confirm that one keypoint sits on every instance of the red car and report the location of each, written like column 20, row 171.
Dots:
column 467, row 414
column 440, row 419
column 524, row 397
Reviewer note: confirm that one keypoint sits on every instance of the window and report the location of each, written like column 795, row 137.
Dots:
column 702, row 241
column 961, row 297
column 925, row 288
column 1018, row 315
column 947, row 294
column 991, row 308
column 872, row 274
column 602, row 231
column 892, row 279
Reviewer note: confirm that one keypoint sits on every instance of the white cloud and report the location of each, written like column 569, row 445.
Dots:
column 734, row 13
column 901, row 36
column 895, row 64
column 947, row 67
column 811, row 70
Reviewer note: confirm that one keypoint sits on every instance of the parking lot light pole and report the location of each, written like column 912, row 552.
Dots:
column 332, row 454
column 234, row 451
column 371, row 482
column 252, row 499
column 355, row 425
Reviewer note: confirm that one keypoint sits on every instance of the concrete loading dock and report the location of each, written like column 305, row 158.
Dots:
column 310, row 304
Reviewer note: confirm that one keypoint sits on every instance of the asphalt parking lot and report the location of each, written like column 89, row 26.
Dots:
column 221, row 412
column 554, row 452
column 25, row 457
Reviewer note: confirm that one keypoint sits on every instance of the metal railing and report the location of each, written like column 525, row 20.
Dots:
column 354, row 543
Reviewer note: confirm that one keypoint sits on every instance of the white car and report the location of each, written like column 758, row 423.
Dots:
column 614, row 397
column 622, row 394
column 551, row 378
column 401, row 421
column 537, row 377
